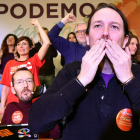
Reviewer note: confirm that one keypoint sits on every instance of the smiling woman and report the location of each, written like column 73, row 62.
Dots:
column 24, row 45
column 7, row 50
column 133, row 45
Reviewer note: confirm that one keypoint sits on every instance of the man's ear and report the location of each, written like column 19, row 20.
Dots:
column 87, row 38
column 13, row 90
column 125, row 41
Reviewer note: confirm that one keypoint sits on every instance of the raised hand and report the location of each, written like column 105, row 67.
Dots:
column 120, row 59
column 35, row 22
column 68, row 18
column 90, row 62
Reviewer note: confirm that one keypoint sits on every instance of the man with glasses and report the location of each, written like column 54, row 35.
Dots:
column 23, row 87
column 80, row 32
column 70, row 50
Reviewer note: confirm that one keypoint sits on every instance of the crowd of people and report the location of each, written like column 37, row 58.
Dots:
column 97, row 87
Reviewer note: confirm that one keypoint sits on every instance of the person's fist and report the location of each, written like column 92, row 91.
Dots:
column 34, row 22
column 68, row 18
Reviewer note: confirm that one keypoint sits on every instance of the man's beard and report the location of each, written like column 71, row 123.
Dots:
column 80, row 41
column 27, row 97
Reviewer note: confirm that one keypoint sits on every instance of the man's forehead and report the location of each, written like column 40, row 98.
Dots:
column 82, row 26
column 23, row 74
column 107, row 15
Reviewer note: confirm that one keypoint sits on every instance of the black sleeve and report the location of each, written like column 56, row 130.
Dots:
column 57, row 102
column 132, row 89
column 60, row 43
column 54, row 51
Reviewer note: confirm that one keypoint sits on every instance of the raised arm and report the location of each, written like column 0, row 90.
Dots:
column 68, row 18
column 45, row 39
column 60, row 43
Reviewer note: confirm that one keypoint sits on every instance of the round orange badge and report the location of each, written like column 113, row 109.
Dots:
column 17, row 117
column 124, row 119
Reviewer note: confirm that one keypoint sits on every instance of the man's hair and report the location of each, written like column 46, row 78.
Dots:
column 20, row 69
column 112, row 6
column 79, row 23
column 44, row 28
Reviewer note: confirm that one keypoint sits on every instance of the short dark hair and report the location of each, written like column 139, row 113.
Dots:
column 25, row 38
column 20, row 69
column 112, row 6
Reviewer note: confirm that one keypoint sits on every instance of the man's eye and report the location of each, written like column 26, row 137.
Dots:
column 18, row 82
column 114, row 27
column 97, row 26
column 29, row 81
column 79, row 31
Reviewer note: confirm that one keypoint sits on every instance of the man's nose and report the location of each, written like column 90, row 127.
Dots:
column 25, row 83
column 105, row 34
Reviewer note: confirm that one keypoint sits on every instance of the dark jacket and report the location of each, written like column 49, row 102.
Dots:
column 88, row 117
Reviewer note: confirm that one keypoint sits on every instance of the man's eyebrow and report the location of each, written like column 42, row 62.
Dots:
column 100, row 21
column 114, row 22
column 22, row 79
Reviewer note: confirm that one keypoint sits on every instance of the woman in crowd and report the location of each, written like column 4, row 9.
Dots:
column 23, row 46
column 72, row 38
column 133, row 45
column 6, row 53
